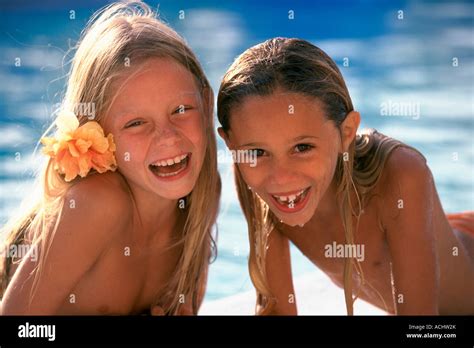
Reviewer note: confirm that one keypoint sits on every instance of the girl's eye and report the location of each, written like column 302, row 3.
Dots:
column 303, row 147
column 133, row 124
column 258, row 152
column 182, row 109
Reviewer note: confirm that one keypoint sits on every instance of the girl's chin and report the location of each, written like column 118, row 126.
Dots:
column 175, row 193
column 294, row 221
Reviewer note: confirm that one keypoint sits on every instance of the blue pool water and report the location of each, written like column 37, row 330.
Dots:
column 425, row 59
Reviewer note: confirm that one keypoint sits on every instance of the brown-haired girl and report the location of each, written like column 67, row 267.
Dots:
column 362, row 207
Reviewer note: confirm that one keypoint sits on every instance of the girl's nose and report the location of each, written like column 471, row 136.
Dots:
column 281, row 173
column 166, row 135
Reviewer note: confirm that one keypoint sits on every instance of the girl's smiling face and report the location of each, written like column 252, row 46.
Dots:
column 297, row 149
column 156, row 117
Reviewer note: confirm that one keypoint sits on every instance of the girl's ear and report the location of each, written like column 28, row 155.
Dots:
column 225, row 137
column 349, row 129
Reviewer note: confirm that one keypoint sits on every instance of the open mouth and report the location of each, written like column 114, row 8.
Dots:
column 292, row 202
column 171, row 168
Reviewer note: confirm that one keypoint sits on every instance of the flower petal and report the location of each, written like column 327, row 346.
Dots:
column 68, row 166
column 72, row 149
column 76, row 150
column 93, row 132
column 84, row 165
column 83, row 145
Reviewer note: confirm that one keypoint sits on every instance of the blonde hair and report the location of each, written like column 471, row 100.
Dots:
column 121, row 33
column 298, row 66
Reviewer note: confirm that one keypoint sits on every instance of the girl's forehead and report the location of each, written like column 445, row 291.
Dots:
column 283, row 108
column 285, row 101
column 160, row 80
column 162, row 72
column 276, row 124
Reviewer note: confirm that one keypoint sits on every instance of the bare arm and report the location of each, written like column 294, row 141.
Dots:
column 279, row 277
column 410, row 234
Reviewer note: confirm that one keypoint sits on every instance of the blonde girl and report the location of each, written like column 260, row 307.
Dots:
column 362, row 207
column 129, row 195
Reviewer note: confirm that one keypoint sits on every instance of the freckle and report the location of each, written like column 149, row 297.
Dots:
column 377, row 263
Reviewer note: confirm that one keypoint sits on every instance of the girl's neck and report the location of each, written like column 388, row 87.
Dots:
column 330, row 205
column 155, row 213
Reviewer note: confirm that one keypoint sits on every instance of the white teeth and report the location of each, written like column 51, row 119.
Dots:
column 170, row 162
column 290, row 198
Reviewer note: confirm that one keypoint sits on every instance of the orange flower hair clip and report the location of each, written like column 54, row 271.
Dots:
column 76, row 150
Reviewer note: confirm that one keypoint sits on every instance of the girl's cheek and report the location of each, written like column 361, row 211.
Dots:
column 254, row 177
column 129, row 151
column 196, row 128
column 194, row 131
column 326, row 174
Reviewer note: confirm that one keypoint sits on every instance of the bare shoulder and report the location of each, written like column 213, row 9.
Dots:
column 106, row 191
column 406, row 178
column 95, row 210
column 404, row 167
column 101, row 186
column 407, row 162
column 101, row 202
